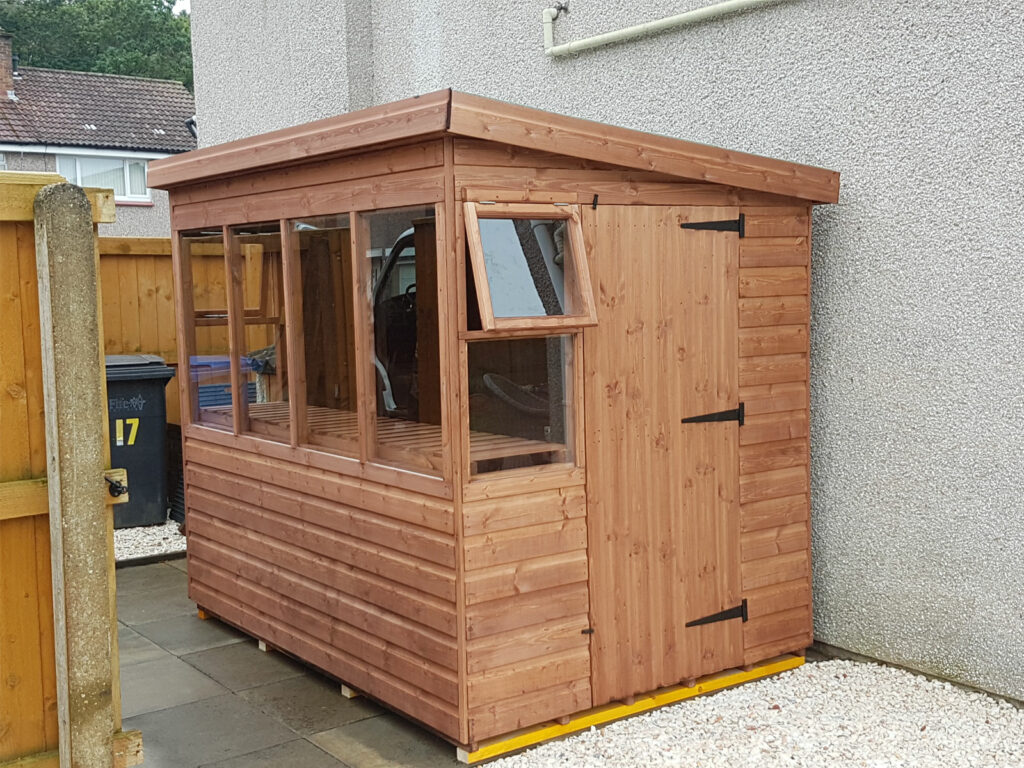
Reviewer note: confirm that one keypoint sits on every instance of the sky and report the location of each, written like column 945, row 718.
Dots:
column 183, row 5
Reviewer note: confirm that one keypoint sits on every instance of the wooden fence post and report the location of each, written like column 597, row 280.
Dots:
column 73, row 388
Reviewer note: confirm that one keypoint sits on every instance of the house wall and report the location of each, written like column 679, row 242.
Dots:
column 141, row 220
column 916, row 320
column 30, row 161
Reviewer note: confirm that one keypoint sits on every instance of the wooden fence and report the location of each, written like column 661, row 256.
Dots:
column 138, row 303
column 28, row 694
column 29, row 733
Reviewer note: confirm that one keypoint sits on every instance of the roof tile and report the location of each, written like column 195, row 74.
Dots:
column 90, row 109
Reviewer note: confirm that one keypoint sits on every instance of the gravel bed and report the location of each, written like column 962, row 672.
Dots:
column 829, row 713
column 147, row 540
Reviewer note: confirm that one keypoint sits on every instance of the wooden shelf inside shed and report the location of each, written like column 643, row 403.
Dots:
column 411, row 438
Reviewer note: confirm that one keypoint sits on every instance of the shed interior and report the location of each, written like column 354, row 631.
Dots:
column 446, row 427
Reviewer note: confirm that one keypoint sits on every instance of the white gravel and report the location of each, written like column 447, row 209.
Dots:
column 830, row 713
column 147, row 540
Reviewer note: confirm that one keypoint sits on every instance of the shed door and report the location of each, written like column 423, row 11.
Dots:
column 662, row 495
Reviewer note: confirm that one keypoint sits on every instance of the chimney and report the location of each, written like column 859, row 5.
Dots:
column 6, row 65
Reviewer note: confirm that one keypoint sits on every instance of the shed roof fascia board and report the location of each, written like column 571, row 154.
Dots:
column 469, row 116
column 481, row 118
column 408, row 118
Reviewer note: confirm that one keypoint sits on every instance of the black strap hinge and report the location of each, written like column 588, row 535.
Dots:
column 736, row 414
column 729, row 225
column 587, row 631
column 739, row 612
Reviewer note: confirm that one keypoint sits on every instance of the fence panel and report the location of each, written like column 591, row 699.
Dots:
column 138, row 303
column 28, row 689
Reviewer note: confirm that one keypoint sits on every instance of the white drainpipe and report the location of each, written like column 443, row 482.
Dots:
column 640, row 30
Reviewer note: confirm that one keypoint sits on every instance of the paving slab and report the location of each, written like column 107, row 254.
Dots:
column 243, row 665
column 294, row 754
column 153, row 685
column 181, row 563
column 386, row 741
column 309, row 704
column 135, row 608
column 133, row 648
column 188, row 633
column 143, row 578
column 205, row 732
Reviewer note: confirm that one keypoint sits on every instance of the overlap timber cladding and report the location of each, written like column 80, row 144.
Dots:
column 353, row 577
column 526, row 608
column 774, row 316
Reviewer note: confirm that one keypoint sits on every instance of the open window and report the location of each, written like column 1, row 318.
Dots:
column 528, row 269
column 529, row 266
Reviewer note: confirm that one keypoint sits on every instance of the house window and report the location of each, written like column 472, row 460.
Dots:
column 125, row 175
column 3, row 162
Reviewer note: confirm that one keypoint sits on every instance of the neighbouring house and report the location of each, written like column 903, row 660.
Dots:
column 96, row 130
column 915, row 344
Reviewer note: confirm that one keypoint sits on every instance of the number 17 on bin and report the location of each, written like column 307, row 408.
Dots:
column 119, row 430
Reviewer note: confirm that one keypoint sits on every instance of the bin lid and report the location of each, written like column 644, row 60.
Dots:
column 137, row 367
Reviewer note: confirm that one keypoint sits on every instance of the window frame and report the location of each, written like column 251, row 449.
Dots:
column 125, row 160
column 587, row 316
column 371, row 448
column 187, row 329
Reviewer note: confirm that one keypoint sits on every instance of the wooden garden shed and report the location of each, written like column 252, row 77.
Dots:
column 493, row 414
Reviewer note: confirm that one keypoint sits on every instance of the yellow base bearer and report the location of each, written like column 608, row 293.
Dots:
column 538, row 734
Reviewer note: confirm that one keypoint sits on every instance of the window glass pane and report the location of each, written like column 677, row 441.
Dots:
column 137, row 177
column 402, row 272
column 257, row 269
column 105, row 172
column 529, row 267
column 210, row 375
column 68, row 168
column 323, row 245
column 520, row 403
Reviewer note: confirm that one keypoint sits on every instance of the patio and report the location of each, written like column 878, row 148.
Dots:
column 203, row 694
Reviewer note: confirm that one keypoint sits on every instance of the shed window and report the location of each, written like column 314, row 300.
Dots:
column 258, row 332
column 323, row 247
column 520, row 403
column 529, row 266
column 400, row 270
column 209, row 364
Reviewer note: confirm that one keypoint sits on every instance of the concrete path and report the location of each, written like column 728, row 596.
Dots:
column 204, row 695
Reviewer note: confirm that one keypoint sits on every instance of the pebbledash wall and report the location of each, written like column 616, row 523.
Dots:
column 918, row 290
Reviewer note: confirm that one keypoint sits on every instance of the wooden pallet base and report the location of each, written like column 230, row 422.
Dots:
column 528, row 737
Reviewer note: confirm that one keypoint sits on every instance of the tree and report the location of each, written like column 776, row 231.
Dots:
column 144, row 38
